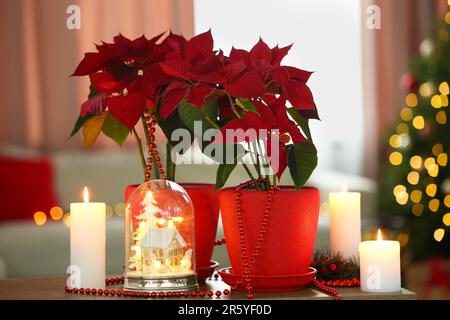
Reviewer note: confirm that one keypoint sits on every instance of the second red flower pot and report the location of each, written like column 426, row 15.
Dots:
column 288, row 243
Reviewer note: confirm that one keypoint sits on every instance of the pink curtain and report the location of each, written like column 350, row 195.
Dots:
column 39, row 101
column 387, row 54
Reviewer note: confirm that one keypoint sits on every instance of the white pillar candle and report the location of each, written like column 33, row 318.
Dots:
column 380, row 265
column 87, row 243
column 345, row 223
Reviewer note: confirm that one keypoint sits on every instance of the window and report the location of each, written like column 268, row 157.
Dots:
column 327, row 40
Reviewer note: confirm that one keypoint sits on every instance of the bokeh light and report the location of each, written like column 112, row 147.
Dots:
column 418, row 122
column 417, row 209
column 446, row 219
column 431, row 190
column 444, row 100
column 406, row 114
column 395, row 158
column 416, row 196
column 439, row 234
column 426, row 89
column 109, row 211
column 397, row 189
column 415, row 162
column 402, row 128
column 442, row 159
column 433, row 170
column 56, row 213
column 40, row 218
column 402, row 197
column 411, row 100
column 395, row 141
column 413, row 177
column 433, row 205
column 66, row 219
column 447, row 201
column 441, row 117
column 438, row 149
column 444, row 88
column 119, row 209
column 429, row 162
column 436, row 101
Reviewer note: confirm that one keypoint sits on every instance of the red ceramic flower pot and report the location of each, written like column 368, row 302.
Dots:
column 288, row 243
column 206, row 210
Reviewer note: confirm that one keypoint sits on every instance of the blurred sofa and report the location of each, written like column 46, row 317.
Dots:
column 31, row 250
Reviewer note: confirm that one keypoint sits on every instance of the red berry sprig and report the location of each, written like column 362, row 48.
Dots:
column 335, row 270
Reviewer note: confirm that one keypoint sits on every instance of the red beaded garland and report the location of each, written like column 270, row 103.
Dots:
column 326, row 289
column 127, row 293
column 153, row 149
column 248, row 265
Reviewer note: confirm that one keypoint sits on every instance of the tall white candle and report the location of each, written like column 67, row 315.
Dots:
column 345, row 223
column 380, row 265
column 87, row 243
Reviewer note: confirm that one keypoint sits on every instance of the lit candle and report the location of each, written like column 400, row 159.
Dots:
column 87, row 242
column 345, row 222
column 380, row 265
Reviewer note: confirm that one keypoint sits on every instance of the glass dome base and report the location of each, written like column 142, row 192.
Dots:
column 158, row 284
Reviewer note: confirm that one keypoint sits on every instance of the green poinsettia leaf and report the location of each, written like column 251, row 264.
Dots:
column 79, row 124
column 115, row 129
column 223, row 173
column 207, row 114
column 302, row 160
column 246, row 105
column 301, row 121
column 229, row 156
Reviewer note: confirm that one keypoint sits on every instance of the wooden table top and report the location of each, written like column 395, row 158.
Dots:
column 53, row 289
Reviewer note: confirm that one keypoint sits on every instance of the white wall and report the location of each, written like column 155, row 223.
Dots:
column 327, row 40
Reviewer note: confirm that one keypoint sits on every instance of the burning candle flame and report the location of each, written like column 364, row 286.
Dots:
column 344, row 188
column 379, row 237
column 86, row 195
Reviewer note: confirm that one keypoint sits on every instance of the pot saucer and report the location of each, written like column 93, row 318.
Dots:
column 205, row 272
column 270, row 283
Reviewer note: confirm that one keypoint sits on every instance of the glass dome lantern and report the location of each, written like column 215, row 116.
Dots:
column 159, row 238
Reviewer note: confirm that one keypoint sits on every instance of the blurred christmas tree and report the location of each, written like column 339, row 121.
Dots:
column 415, row 182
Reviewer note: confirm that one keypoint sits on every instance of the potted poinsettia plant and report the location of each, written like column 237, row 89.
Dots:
column 177, row 83
column 270, row 230
column 141, row 83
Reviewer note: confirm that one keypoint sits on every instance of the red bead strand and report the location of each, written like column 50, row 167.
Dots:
column 248, row 265
column 139, row 294
column 330, row 291
column 153, row 149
